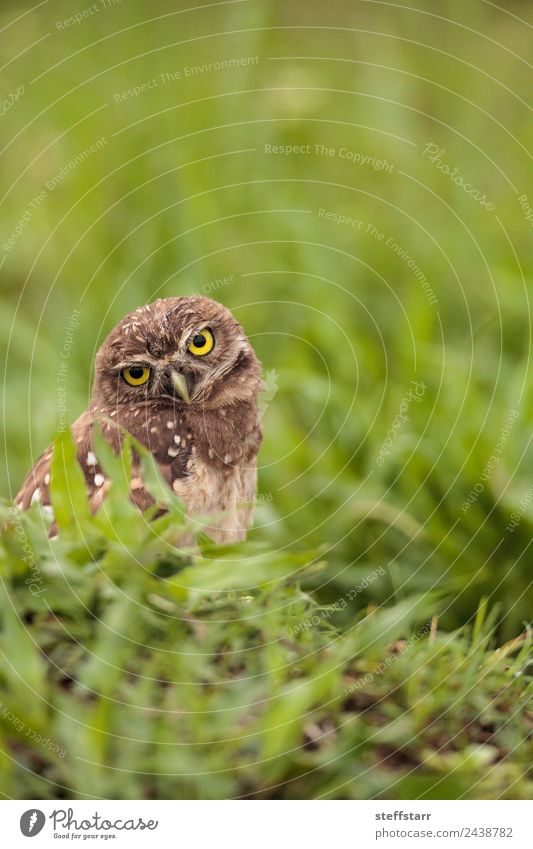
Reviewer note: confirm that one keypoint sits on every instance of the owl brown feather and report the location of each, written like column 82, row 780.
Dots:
column 196, row 413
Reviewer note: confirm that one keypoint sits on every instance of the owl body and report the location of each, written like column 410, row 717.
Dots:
column 181, row 377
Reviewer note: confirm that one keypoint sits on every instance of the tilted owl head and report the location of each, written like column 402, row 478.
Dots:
column 177, row 350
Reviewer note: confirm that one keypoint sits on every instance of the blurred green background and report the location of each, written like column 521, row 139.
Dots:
column 354, row 181
column 301, row 163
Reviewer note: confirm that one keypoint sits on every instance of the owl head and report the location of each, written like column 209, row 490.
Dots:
column 187, row 351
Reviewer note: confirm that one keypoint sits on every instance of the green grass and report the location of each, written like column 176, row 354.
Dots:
column 130, row 676
column 231, row 672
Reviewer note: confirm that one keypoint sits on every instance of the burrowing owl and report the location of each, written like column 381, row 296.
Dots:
column 182, row 378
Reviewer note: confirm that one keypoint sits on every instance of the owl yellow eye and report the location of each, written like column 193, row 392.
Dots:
column 136, row 375
column 201, row 343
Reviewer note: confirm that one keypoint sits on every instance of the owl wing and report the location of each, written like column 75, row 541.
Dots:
column 36, row 485
column 167, row 439
column 171, row 449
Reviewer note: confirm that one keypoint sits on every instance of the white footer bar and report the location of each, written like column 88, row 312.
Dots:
column 268, row 824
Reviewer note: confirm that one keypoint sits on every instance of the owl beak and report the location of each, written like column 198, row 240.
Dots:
column 179, row 384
